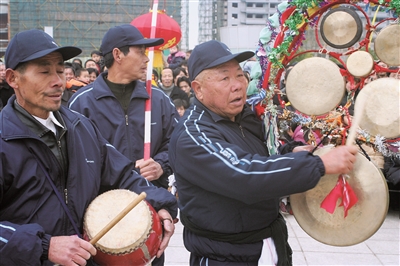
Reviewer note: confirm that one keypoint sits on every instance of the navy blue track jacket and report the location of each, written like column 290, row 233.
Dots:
column 126, row 130
column 227, row 182
column 30, row 212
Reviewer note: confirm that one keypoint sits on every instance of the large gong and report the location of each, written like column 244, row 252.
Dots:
column 363, row 219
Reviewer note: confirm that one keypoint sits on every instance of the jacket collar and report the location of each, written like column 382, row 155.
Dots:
column 12, row 127
column 246, row 111
column 101, row 89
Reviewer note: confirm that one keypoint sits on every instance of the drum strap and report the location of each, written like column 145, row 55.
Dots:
column 277, row 230
column 64, row 205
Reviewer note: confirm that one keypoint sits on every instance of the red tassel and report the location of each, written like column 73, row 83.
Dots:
column 329, row 203
column 342, row 190
column 349, row 198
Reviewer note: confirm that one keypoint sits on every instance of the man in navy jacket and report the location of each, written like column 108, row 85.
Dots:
column 52, row 157
column 229, row 187
column 116, row 103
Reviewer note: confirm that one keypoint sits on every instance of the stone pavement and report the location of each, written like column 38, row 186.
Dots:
column 383, row 248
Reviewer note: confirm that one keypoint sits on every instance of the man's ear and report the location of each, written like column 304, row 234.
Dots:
column 12, row 78
column 117, row 55
column 197, row 89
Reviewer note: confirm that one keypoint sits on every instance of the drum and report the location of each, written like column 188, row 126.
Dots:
column 132, row 241
column 387, row 45
column 360, row 64
column 381, row 114
column 362, row 220
column 315, row 86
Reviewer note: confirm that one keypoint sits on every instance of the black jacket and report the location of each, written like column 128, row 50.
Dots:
column 228, row 183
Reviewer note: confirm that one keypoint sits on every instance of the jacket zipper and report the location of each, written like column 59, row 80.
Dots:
column 241, row 130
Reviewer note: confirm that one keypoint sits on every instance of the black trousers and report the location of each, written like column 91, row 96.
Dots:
column 201, row 261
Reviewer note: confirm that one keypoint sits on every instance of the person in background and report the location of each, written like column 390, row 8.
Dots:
column 184, row 84
column 175, row 57
column 180, row 106
column 6, row 91
column 229, row 186
column 155, row 80
column 77, row 61
column 168, row 86
column 97, row 58
column 177, row 73
column 184, row 66
column 69, row 71
column 82, row 75
column 90, row 63
column 73, row 84
column 93, row 74
column 54, row 163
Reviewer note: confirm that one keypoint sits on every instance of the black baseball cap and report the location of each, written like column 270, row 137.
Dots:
column 211, row 54
column 32, row 44
column 125, row 35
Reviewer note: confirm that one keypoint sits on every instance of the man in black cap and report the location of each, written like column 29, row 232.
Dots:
column 229, row 186
column 54, row 162
column 117, row 100
column 116, row 103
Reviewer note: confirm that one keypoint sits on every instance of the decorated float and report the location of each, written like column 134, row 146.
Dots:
column 326, row 85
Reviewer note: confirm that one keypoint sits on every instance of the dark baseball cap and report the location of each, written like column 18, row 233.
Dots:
column 211, row 54
column 32, row 44
column 125, row 35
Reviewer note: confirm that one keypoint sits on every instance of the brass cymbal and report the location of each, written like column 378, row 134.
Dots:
column 363, row 219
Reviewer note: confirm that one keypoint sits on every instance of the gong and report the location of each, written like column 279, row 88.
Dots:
column 363, row 219
column 341, row 27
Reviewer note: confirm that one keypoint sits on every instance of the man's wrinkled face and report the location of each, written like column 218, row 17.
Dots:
column 39, row 85
column 222, row 89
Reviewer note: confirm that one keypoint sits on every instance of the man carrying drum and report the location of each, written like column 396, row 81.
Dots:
column 54, row 162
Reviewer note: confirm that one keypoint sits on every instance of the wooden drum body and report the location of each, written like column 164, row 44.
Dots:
column 132, row 241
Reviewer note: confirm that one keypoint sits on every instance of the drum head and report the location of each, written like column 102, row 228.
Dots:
column 315, row 86
column 363, row 219
column 341, row 28
column 129, row 233
column 381, row 114
column 360, row 64
column 387, row 46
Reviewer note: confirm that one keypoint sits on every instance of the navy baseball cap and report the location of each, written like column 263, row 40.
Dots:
column 211, row 54
column 32, row 44
column 125, row 35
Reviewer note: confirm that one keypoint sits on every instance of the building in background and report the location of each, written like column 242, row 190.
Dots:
column 80, row 23
column 4, row 37
column 238, row 23
column 235, row 22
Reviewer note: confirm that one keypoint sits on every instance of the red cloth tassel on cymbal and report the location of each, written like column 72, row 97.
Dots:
column 342, row 190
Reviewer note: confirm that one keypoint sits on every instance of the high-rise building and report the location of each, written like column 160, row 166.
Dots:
column 238, row 23
column 75, row 22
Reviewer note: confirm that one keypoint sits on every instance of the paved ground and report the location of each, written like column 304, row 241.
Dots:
column 381, row 249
